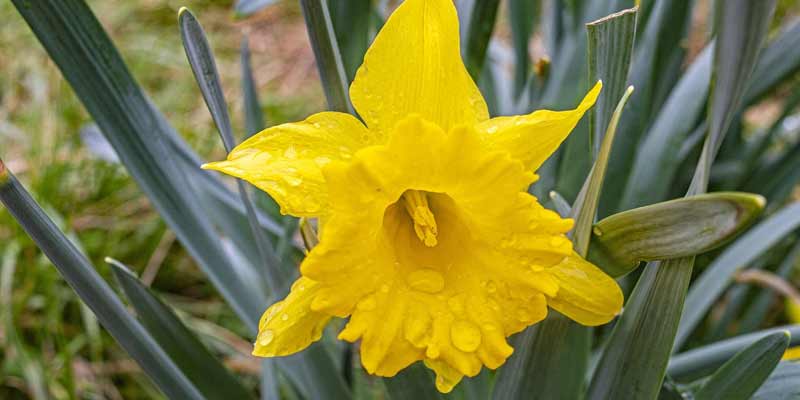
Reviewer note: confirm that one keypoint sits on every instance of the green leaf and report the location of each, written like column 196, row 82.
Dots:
column 672, row 229
column 779, row 61
column 636, row 354
column 523, row 375
column 635, row 360
column 482, row 15
column 253, row 116
column 413, row 383
column 718, row 275
column 782, row 384
column 743, row 374
column 561, row 205
column 77, row 43
column 609, row 49
column 209, row 376
column 93, row 290
column 657, row 159
column 204, row 67
column 585, row 207
column 351, row 22
column 659, row 43
column 699, row 362
column 326, row 52
column 522, row 18
column 741, row 29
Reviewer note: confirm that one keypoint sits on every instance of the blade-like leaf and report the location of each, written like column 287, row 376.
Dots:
column 193, row 359
column 482, row 16
column 779, row 60
column 77, row 43
column 326, row 52
column 782, row 384
column 667, row 26
column 412, row 383
column 672, row 229
column 204, row 67
column 702, row 360
column 609, row 50
column 657, row 159
column 742, row 27
column 93, row 290
column 351, row 22
column 522, row 18
column 585, row 207
column 719, row 274
column 523, row 377
column 253, row 116
column 634, row 362
column 635, row 358
column 743, row 374
column 561, row 205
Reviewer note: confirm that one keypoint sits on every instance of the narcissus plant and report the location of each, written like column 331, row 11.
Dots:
column 430, row 242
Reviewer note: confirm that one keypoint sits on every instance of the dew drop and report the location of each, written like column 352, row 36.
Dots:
column 465, row 336
column 265, row 337
column 284, row 317
column 491, row 287
column 426, row 280
column 290, row 152
column 492, row 129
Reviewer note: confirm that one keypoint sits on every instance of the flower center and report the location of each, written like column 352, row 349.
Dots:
column 416, row 204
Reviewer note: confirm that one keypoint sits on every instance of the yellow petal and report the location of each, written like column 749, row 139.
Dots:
column 290, row 325
column 585, row 293
column 414, row 66
column 534, row 137
column 286, row 160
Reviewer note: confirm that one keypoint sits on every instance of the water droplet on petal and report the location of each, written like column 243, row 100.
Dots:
column 265, row 337
column 465, row 336
column 284, row 317
column 491, row 287
column 426, row 280
column 290, row 152
column 492, row 129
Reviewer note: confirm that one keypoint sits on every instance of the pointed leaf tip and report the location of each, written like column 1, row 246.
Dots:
column 182, row 10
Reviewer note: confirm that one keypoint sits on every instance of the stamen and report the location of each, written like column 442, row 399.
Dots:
column 416, row 203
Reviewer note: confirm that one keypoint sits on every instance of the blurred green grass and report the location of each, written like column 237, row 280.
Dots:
column 50, row 344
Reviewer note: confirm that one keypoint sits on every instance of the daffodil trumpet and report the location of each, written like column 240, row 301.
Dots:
column 429, row 240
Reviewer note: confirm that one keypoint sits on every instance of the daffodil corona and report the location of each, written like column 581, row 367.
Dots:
column 429, row 241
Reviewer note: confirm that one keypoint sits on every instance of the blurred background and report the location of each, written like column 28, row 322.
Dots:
column 51, row 345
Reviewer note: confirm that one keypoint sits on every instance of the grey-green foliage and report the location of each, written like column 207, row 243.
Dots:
column 681, row 99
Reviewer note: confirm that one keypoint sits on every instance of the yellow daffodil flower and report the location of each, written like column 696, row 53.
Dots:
column 429, row 241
